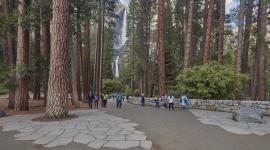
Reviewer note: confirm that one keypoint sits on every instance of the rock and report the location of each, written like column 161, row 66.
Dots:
column 248, row 114
column 2, row 114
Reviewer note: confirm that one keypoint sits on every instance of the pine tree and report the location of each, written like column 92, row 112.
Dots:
column 57, row 100
column 161, row 46
column 22, row 95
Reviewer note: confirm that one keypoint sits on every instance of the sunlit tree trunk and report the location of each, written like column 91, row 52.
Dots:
column 57, row 100
column 21, row 94
column 188, row 38
column 161, row 46
column 207, row 48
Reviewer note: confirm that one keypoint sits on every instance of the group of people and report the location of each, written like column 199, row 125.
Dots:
column 168, row 101
column 103, row 98
column 95, row 98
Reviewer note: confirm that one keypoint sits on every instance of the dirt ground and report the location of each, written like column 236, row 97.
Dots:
column 35, row 106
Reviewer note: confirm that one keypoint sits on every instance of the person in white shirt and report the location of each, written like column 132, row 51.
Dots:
column 171, row 102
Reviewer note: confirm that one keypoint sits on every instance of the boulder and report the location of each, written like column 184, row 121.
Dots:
column 249, row 115
column 2, row 114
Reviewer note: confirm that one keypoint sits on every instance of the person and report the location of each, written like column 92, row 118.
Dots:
column 102, row 100
column 157, row 102
column 119, row 100
column 90, row 100
column 142, row 100
column 127, row 97
column 96, row 100
column 171, row 102
column 105, row 100
column 185, row 103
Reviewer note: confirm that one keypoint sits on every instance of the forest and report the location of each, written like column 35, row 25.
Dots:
column 61, row 50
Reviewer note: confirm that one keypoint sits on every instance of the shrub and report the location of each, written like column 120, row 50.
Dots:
column 136, row 92
column 111, row 86
column 210, row 82
column 128, row 91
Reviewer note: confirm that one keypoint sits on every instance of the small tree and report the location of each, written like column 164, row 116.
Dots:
column 210, row 82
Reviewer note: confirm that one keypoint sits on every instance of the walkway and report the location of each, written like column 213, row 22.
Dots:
column 177, row 130
column 168, row 130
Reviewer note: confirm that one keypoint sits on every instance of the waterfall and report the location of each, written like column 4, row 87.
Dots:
column 119, row 38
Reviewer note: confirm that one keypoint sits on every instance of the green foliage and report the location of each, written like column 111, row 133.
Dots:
column 136, row 92
column 128, row 91
column 111, row 86
column 211, row 82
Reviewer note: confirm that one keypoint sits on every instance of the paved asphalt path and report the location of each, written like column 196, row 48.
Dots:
column 177, row 130
column 168, row 130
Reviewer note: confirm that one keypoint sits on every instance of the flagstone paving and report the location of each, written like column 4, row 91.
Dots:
column 224, row 120
column 92, row 127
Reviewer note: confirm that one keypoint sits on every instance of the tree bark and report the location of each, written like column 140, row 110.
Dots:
column 161, row 46
column 76, row 64
column 248, row 26
column 21, row 94
column 45, row 46
column 220, row 45
column 57, row 101
column 99, row 52
column 86, row 60
column 206, row 3
column 145, row 42
column 188, row 38
column 37, row 63
column 207, row 50
column 259, row 68
column 11, row 59
column 239, row 49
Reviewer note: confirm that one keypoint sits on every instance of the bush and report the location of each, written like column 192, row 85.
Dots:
column 136, row 92
column 128, row 91
column 210, row 82
column 111, row 86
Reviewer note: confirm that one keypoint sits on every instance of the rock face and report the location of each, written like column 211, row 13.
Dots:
column 2, row 114
column 249, row 115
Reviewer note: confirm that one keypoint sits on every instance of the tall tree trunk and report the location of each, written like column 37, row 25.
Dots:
column 207, row 48
column 86, row 60
column 37, row 63
column 22, row 93
column 76, row 61
column 45, row 46
column 188, row 38
column 161, row 46
column 145, row 42
column 220, row 45
column 240, row 38
column 57, row 101
column 259, row 68
column 11, row 59
column 206, row 3
column 99, row 52
column 248, row 26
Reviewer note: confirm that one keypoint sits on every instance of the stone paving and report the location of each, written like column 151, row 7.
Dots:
column 224, row 120
column 93, row 128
